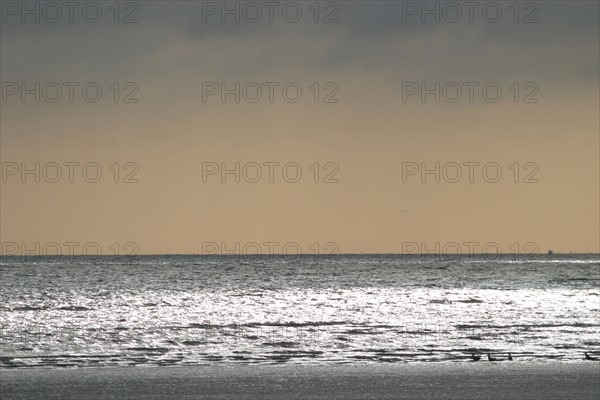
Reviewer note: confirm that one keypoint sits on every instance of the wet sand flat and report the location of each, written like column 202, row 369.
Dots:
column 501, row 381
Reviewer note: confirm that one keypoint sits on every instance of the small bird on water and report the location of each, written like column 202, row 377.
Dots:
column 474, row 357
column 509, row 357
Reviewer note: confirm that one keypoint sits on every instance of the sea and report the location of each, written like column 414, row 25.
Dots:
column 164, row 310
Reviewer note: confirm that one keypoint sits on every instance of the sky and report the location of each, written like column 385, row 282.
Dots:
column 330, row 127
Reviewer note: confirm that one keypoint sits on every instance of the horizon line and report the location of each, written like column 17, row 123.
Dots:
column 295, row 254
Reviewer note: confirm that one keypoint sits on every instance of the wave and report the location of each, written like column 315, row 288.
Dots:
column 30, row 308
column 73, row 308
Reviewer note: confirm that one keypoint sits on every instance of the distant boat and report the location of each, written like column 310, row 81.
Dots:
column 510, row 358
column 588, row 357
column 490, row 358
column 474, row 357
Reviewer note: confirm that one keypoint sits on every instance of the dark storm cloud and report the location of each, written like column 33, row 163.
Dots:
column 400, row 19
column 375, row 36
column 375, row 33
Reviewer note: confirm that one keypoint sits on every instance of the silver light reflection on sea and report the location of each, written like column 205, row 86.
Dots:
column 183, row 310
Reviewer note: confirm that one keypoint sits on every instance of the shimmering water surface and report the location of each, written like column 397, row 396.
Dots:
column 187, row 310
